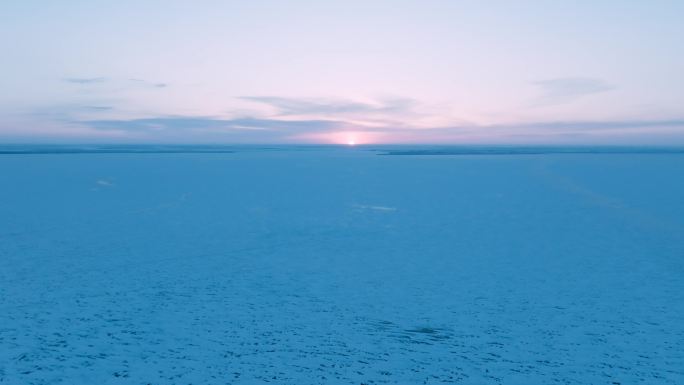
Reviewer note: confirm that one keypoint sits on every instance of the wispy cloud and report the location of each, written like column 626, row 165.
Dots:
column 208, row 123
column 275, row 129
column 66, row 112
column 131, row 82
column 298, row 106
column 85, row 80
column 189, row 123
column 586, row 125
column 210, row 129
column 566, row 90
column 97, row 108
column 148, row 83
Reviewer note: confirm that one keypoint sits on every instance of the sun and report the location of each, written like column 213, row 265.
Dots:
column 340, row 138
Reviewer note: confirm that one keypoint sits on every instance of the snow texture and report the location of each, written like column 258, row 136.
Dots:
column 341, row 266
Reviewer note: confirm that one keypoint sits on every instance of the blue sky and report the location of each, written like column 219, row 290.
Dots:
column 384, row 71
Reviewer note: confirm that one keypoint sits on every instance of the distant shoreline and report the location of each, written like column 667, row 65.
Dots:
column 395, row 150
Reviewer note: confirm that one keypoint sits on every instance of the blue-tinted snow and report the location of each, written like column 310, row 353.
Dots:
column 341, row 266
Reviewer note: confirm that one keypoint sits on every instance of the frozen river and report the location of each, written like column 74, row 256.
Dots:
column 341, row 266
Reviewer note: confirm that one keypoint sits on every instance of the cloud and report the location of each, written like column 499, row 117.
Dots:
column 147, row 83
column 297, row 106
column 240, row 129
column 577, row 131
column 586, row 125
column 138, row 82
column 85, row 80
column 65, row 112
column 202, row 123
column 566, row 90
column 274, row 130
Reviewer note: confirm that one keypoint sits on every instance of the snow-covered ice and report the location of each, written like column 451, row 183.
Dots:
column 341, row 266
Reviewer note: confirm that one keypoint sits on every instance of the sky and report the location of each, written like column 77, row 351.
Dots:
column 342, row 72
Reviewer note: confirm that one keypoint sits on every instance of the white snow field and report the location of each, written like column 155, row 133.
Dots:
column 325, row 265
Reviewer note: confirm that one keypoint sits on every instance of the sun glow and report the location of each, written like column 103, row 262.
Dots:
column 343, row 138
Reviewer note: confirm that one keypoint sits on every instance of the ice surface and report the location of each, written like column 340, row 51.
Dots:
column 341, row 266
